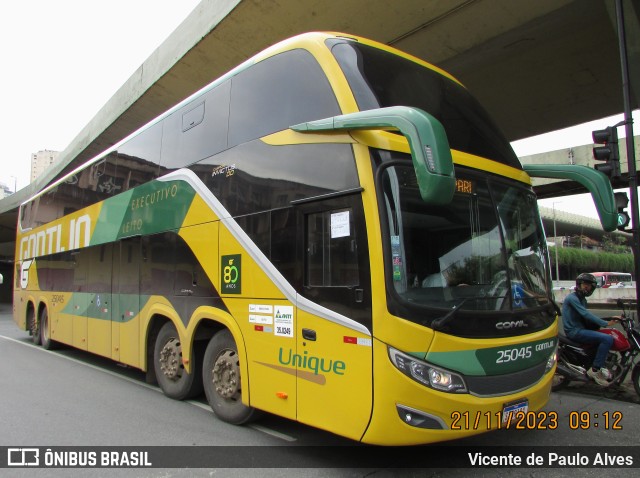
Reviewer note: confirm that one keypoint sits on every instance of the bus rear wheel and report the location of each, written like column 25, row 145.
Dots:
column 222, row 384
column 172, row 376
column 34, row 327
column 45, row 331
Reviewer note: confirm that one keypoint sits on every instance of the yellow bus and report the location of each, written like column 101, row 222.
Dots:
column 334, row 232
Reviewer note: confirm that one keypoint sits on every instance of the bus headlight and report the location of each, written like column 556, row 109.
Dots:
column 433, row 377
column 553, row 358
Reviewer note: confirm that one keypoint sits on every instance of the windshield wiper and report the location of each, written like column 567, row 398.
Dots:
column 440, row 322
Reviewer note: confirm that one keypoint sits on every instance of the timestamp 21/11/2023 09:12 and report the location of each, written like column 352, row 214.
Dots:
column 541, row 420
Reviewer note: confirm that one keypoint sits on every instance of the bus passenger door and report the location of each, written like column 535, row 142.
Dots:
column 334, row 349
column 125, row 320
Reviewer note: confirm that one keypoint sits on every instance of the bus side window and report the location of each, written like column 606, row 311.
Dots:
column 158, row 265
column 331, row 252
column 27, row 214
column 139, row 159
column 54, row 202
column 100, row 180
column 278, row 92
column 335, row 267
column 196, row 131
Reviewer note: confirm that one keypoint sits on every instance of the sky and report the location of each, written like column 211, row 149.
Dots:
column 63, row 60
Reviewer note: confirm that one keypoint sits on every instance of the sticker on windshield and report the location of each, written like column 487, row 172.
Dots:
column 396, row 258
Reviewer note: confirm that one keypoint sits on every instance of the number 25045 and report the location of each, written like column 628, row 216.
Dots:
column 512, row 355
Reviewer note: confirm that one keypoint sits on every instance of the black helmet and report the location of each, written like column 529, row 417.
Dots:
column 589, row 279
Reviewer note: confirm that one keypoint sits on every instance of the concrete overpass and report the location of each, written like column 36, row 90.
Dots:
column 568, row 224
column 547, row 188
column 536, row 66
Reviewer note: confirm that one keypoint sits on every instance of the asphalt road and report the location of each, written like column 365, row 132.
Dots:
column 73, row 399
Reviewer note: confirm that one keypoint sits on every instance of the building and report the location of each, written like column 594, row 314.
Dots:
column 41, row 161
column 5, row 190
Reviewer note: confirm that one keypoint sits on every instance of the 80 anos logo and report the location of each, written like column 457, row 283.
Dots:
column 231, row 274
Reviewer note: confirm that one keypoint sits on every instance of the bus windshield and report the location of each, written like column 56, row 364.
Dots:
column 483, row 252
column 379, row 79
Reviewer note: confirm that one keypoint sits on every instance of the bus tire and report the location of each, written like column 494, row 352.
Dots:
column 45, row 331
column 34, row 327
column 221, row 378
column 172, row 377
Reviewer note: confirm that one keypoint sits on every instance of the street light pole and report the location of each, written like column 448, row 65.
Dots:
column 15, row 184
column 555, row 239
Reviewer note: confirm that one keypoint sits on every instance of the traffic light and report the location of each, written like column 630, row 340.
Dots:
column 622, row 201
column 608, row 137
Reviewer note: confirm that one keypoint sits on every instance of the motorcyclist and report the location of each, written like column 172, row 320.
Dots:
column 579, row 324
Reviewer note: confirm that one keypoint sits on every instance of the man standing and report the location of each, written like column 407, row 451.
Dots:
column 581, row 326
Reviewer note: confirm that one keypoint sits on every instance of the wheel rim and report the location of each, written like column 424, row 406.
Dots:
column 226, row 375
column 171, row 359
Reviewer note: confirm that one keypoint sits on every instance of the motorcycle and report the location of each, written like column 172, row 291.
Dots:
column 574, row 359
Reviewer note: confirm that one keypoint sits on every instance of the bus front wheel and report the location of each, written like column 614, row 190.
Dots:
column 221, row 377
column 172, row 376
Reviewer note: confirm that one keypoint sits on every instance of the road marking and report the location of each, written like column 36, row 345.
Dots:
column 256, row 427
column 201, row 405
column 195, row 403
column 271, row 432
column 80, row 362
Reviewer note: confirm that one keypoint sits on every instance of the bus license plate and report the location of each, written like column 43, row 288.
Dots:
column 510, row 411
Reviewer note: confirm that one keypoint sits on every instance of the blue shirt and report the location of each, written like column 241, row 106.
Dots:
column 575, row 315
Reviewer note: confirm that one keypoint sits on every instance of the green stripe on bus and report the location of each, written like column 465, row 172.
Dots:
column 111, row 217
column 148, row 209
column 101, row 306
column 495, row 360
column 156, row 206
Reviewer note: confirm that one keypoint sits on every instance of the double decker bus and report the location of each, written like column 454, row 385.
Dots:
column 334, row 232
